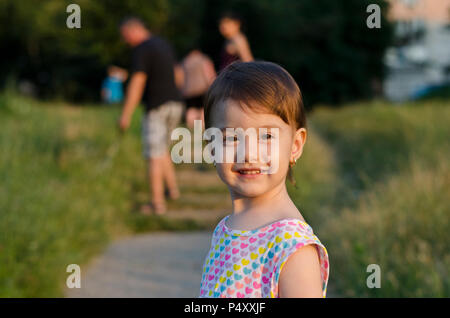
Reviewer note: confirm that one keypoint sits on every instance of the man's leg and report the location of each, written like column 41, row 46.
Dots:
column 154, row 136
column 156, row 182
column 169, row 177
column 174, row 113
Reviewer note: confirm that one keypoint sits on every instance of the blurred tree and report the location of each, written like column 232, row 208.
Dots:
column 69, row 62
column 325, row 44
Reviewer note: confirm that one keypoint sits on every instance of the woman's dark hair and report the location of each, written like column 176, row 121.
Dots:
column 231, row 15
column 132, row 20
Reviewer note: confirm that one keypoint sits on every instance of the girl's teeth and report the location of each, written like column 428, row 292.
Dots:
column 250, row 172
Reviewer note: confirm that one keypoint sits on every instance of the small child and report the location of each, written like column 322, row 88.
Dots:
column 264, row 248
column 112, row 86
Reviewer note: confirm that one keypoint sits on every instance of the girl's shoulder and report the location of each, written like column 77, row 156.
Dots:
column 289, row 233
column 291, row 226
column 219, row 226
column 220, row 230
column 289, row 236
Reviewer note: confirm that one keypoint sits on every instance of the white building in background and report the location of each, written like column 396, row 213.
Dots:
column 421, row 56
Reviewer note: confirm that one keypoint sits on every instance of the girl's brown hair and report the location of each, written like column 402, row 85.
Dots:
column 262, row 87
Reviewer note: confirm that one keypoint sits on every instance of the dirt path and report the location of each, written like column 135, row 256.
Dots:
column 161, row 264
column 149, row 265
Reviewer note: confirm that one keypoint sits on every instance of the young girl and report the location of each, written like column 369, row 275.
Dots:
column 264, row 248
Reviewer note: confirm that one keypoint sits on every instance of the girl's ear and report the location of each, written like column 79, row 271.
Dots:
column 297, row 144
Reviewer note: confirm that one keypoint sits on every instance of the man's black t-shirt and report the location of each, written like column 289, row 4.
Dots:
column 156, row 58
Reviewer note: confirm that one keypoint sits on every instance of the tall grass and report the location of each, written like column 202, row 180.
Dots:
column 316, row 180
column 391, row 204
column 62, row 195
column 403, row 226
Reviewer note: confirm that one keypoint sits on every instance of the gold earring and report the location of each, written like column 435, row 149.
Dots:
column 293, row 162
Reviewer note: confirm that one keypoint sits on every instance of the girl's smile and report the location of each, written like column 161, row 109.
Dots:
column 249, row 173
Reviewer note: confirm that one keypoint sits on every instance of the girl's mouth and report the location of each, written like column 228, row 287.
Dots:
column 249, row 171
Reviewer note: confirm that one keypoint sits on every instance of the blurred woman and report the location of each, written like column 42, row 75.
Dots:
column 236, row 47
column 195, row 74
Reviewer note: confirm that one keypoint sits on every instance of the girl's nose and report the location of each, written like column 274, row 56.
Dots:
column 248, row 150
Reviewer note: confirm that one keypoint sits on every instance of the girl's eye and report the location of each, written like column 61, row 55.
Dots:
column 266, row 136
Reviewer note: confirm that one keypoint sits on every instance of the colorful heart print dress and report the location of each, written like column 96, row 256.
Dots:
column 248, row 263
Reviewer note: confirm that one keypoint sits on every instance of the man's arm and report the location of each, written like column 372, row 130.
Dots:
column 133, row 97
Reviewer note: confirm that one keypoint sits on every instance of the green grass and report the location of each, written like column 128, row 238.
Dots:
column 373, row 182
column 385, row 197
column 402, row 225
column 62, row 197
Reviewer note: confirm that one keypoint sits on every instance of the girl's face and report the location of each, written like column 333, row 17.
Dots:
column 257, row 176
column 229, row 28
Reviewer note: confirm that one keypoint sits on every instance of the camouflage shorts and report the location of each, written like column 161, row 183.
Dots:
column 157, row 126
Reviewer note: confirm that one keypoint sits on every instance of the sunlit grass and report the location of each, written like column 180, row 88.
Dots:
column 390, row 205
column 63, row 193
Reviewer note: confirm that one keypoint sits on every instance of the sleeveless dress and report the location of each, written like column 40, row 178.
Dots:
column 248, row 263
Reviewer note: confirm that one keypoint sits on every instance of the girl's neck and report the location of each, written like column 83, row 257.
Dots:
column 275, row 202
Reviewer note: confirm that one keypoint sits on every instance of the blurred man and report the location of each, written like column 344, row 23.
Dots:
column 152, row 80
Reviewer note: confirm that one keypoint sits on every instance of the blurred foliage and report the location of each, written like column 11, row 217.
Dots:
column 318, row 42
column 387, row 201
column 64, row 194
column 441, row 92
column 325, row 44
column 401, row 225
